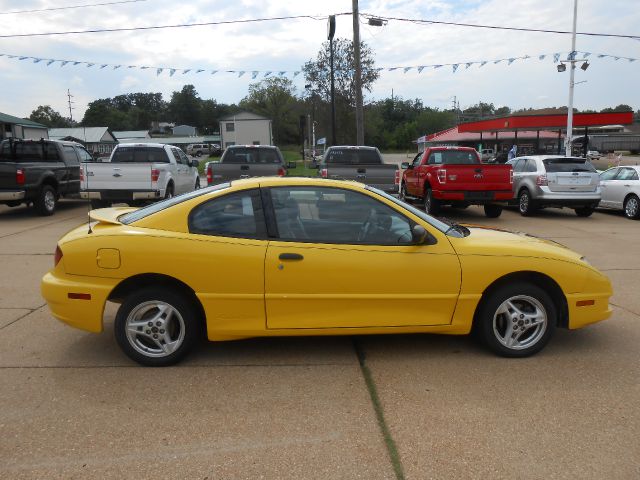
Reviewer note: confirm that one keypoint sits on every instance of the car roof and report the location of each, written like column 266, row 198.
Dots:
column 252, row 146
column 296, row 181
column 354, row 147
column 551, row 157
column 153, row 145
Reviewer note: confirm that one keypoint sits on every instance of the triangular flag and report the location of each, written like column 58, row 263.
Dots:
column 282, row 73
column 295, row 74
column 467, row 65
column 483, row 63
column 266, row 74
column 102, row 66
column 186, row 71
column 50, row 62
column 455, row 67
column 587, row 54
column 420, row 68
column 542, row 57
column 254, row 74
column 556, row 57
column 241, row 73
column 406, row 69
column 200, row 70
column 511, row 60
column 90, row 65
column 172, row 71
column 64, row 63
column 115, row 67
column 37, row 60
column 213, row 72
column 158, row 71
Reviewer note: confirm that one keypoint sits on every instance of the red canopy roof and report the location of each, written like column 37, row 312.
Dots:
column 455, row 135
column 534, row 122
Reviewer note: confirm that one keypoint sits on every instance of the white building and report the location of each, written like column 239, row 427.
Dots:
column 97, row 140
column 245, row 128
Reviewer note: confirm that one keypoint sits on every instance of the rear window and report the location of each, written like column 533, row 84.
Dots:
column 28, row 152
column 139, row 155
column 453, row 157
column 353, row 156
column 144, row 212
column 251, row 155
column 558, row 165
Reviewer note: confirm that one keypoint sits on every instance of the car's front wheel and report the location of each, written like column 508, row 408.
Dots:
column 516, row 320
column 157, row 327
column 632, row 207
column 584, row 211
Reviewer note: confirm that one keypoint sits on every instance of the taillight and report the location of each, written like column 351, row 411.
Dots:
column 20, row 176
column 81, row 174
column 155, row 174
column 323, row 173
column 541, row 181
column 397, row 178
column 57, row 256
column 209, row 175
column 511, row 176
column 442, row 175
column 281, row 172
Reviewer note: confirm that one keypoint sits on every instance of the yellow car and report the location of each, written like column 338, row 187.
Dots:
column 302, row 256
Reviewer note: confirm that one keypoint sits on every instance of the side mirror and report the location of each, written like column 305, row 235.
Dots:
column 405, row 165
column 292, row 165
column 194, row 163
column 418, row 234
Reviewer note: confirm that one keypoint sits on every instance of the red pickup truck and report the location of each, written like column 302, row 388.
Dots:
column 456, row 176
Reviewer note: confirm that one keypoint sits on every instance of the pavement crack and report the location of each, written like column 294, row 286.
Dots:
column 392, row 449
column 31, row 310
column 625, row 309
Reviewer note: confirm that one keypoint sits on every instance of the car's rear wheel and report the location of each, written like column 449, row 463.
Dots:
column 169, row 191
column 197, row 186
column 403, row 193
column 156, row 327
column 516, row 320
column 525, row 203
column 584, row 211
column 492, row 211
column 45, row 204
column 431, row 205
column 632, row 207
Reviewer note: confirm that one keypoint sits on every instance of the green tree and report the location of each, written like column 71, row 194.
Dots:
column 185, row 107
column 275, row 99
column 46, row 115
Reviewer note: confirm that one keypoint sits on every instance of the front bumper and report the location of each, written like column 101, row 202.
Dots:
column 83, row 314
column 12, row 195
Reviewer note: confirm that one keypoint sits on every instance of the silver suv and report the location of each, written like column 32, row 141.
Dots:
column 554, row 181
column 199, row 149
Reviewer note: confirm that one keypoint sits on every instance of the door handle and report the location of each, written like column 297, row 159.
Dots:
column 290, row 256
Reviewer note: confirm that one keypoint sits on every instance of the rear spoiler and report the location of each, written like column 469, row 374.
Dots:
column 109, row 215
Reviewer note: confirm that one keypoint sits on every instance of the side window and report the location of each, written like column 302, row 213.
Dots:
column 183, row 157
column 518, row 166
column 334, row 215
column 176, row 154
column 230, row 127
column 530, row 166
column 627, row 174
column 609, row 174
column 51, row 153
column 435, row 158
column 70, row 154
column 237, row 215
column 416, row 160
column 84, row 155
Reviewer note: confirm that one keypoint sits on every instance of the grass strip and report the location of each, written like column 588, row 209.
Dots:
column 377, row 407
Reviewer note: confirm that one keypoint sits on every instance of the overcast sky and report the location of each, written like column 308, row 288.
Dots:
column 285, row 45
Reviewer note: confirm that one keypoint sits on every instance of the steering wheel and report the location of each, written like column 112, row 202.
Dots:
column 367, row 226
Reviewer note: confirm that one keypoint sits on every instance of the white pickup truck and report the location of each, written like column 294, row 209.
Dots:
column 138, row 173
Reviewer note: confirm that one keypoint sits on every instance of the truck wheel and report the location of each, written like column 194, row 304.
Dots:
column 46, row 202
column 525, row 203
column 431, row 205
column 584, row 211
column 403, row 193
column 197, row 187
column 492, row 211
column 169, row 191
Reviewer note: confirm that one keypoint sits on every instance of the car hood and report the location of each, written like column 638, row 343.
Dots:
column 491, row 241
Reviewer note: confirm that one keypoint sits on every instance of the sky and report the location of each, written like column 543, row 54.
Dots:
column 285, row 45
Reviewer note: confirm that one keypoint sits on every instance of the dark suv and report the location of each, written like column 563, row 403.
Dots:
column 39, row 172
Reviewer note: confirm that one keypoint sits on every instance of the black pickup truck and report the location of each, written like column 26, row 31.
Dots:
column 39, row 172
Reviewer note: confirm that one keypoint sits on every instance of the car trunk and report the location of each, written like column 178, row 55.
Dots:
column 571, row 175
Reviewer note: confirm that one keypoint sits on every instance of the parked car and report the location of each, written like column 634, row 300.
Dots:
column 593, row 155
column 487, row 154
column 310, row 256
column 455, row 176
column 39, row 172
column 621, row 190
column 137, row 173
column 542, row 181
column 199, row 149
column 362, row 164
column 244, row 161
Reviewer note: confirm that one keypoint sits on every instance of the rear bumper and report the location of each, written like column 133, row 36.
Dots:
column 120, row 195
column 545, row 197
column 12, row 195
column 82, row 314
column 473, row 197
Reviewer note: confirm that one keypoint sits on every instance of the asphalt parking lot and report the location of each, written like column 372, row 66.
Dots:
column 411, row 406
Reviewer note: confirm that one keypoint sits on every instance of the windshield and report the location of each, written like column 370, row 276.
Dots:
column 434, row 222
column 139, row 155
column 353, row 156
column 144, row 212
column 251, row 155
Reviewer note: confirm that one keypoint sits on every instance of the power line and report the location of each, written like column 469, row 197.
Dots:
column 159, row 27
column 70, row 7
column 496, row 27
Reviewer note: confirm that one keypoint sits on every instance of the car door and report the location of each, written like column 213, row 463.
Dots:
column 73, row 169
column 179, row 171
column 518, row 173
column 620, row 186
column 411, row 176
column 606, row 186
column 230, row 244
column 345, row 259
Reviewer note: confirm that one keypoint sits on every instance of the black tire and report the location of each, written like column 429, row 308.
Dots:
column 168, row 193
column 632, row 207
column 403, row 193
column 492, row 211
column 197, row 187
column 198, row 154
column 45, row 203
column 431, row 205
column 584, row 211
column 525, row 203
column 98, row 204
column 175, row 333
column 498, row 325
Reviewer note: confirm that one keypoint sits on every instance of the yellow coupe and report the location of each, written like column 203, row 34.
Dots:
column 301, row 256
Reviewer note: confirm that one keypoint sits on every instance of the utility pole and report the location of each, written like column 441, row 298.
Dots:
column 572, row 71
column 358, row 75
column 70, row 102
column 331, row 31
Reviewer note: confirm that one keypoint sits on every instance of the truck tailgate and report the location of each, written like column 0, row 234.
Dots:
column 8, row 175
column 374, row 175
column 117, row 176
column 224, row 172
column 478, row 177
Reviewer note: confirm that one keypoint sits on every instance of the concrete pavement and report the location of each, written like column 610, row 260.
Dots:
column 73, row 406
